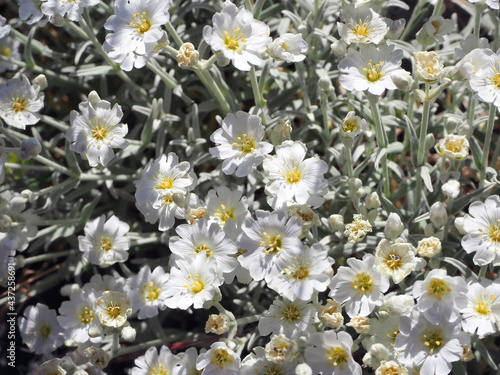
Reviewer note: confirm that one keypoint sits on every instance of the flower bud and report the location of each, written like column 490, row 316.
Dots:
column 40, row 81
column 372, row 201
column 439, row 216
column 451, row 123
column 222, row 60
column 355, row 186
column 429, row 141
column 402, row 80
column 95, row 330
column 453, row 147
column 429, row 230
column 451, row 188
column 187, row 55
column 394, row 226
column 372, row 215
column 5, row 223
column 429, row 247
column 459, row 224
column 280, row 349
column 128, row 333
column 94, row 98
column 303, row 369
column 337, row 222
column 376, row 354
column 390, row 368
column 464, row 129
column 396, row 28
column 325, row 84
column 68, row 289
column 339, row 48
column 30, row 149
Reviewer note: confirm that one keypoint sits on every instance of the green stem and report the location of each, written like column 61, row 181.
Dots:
column 233, row 325
column 348, row 160
column 449, row 206
column 301, row 70
column 249, row 319
column 324, row 112
column 53, row 122
column 103, row 177
column 259, row 100
column 208, row 81
column 437, row 8
column 48, row 256
column 173, row 33
column 487, row 143
column 422, row 152
column 381, row 139
column 482, row 272
column 479, row 8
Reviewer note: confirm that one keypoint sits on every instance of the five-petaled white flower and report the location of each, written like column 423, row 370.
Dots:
column 483, row 231
column 105, row 241
column 156, row 363
column 370, row 68
column 362, row 25
column 293, row 179
column 239, row 143
column 96, row 130
column 112, row 309
column 238, row 36
column 288, row 47
column 20, row 102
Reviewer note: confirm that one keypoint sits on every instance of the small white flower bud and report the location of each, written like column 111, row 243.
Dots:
column 337, row 222
column 222, row 60
column 187, row 55
column 454, row 146
column 5, row 223
column 439, row 216
column 402, row 80
column 40, row 81
column 428, row 66
column 429, row 141
column 17, row 204
column 30, row 149
column 391, row 368
column 128, row 333
column 429, row 230
column 68, row 289
column 451, row 188
column 452, row 122
column 376, row 354
column 464, row 129
column 325, row 84
column 429, row 247
column 372, row 201
column 94, row 98
column 303, row 369
column 394, row 226
column 361, row 324
column 459, row 224
column 95, row 330
column 339, row 48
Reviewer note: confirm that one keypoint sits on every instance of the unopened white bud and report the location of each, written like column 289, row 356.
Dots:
column 428, row 66
column 303, row 369
column 325, row 84
column 355, row 184
column 459, row 224
column 337, row 222
column 372, row 201
column 339, row 48
column 451, row 188
column 403, row 80
column 376, row 354
column 280, row 349
column 464, row 129
column 68, row 289
column 394, row 226
column 95, row 330
column 94, row 98
column 128, row 333
column 439, row 216
column 331, row 314
column 430, row 140
column 390, row 368
column 40, row 81
column 30, row 149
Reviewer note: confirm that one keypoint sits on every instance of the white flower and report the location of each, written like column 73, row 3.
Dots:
column 256, row 363
column 362, row 25
column 485, row 79
column 331, row 314
column 360, row 286
column 384, row 331
column 451, row 188
column 292, row 318
column 483, row 231
column 331, row 354
column 239, row 143
column 361, row 324
column 357, row 230
column 156, row 363
column 147, row 291
column 224, row 204
column 187, row 55
column 269, row 242
column 20, row 102
column 429, row 247
column 493, row 4
column 106, row 283
column 217, row 323
column 57, row 9
column 434, row 346
column 192, row 282
column 9, row 48
column 397, row 260
column 40, row 330
column 280, row 349
column 112, row 309
column 30, row 12
column 428, row 66
column 135, row 31
column 307, row 216
column 390, row 368
column 238, row 36
column 219, row 360
column 162, row 189
column 437, row 27
column 288, row 47
column 77, row 314
column 97, row 357
column 476, row 60
column 105, row 242
column 482, row 313
column 209, row 240
column 51, row 367
column 440, row 295
column 294, row 180
column 454, row 146
column 352, row 125
column 303, row 275
column 371, row 68
column 96, row 130
column 187, row 362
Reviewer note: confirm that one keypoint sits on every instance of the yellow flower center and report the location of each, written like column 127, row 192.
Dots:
column 164, row 183
column 225, row 213
column 271, row 243
column 290, row 313
column 273, row 370
column 363, row 283
column 361, row 29
column 301, row 272
column 113, row 309
column 5, row 51
column 86, row 315
column 221, row 358
column 393, row 261
column 338, row 356
column 373, row 72
column 205, row 248
column 232, row 42
column 433, row 340
column 151, row 292
column 167, row 199
column 99, row 132
column 140, row 22
column 438, row 288
column 494, row 233
column 196, row 285
column 293, row 176
column 495, row 80
column 245, row 144
column 105, row 244
column 350, row 126
column 455, row 146
column 392, row 336
column 159, row 370
column 18, row 105
column 45, row 331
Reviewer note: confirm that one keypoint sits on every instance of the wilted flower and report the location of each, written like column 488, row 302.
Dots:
column 428, row 66
column 453, row 146
column 187, row 55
